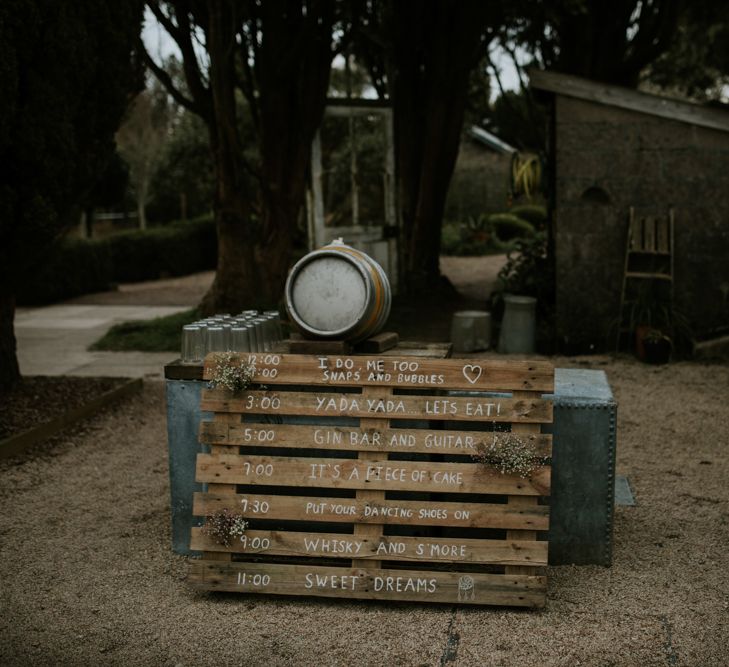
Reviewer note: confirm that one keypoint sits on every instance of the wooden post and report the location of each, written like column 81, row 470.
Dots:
column 370, row 529
column 523, row 501
column 223, row 489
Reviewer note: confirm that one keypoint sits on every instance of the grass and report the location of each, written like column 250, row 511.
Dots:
column 162, row 334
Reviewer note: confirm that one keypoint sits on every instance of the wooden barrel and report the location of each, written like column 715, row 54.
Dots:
column 338, row 292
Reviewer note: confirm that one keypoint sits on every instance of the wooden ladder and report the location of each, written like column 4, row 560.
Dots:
column 649, row 238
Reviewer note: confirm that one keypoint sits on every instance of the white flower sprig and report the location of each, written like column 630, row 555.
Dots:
column 509, row 454
column 225, row 526
column 231, row 372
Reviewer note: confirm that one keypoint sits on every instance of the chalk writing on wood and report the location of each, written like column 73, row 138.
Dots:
column 324, row 452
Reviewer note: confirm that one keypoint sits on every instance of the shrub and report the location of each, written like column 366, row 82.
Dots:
column 508, row 227
column 535, row 214
column 468, row 239
column 173, row 250
column 77, row 266
column 450, row 239
column 81, row 266
column 484, row 234
column 529, row 272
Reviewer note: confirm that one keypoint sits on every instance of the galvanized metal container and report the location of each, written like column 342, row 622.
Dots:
column 338, row 292
column 583, row 474
column 518, row 327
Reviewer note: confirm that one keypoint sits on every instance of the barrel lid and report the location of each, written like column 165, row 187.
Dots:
column 327, row 293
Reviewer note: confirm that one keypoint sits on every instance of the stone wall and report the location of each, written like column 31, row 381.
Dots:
column 480, row 183
column 608, row 159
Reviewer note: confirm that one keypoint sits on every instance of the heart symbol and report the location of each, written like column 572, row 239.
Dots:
column 472, row 373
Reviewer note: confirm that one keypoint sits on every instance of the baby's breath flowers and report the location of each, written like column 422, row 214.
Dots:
column 231, row 372
column 224, row 526
column 509, row 454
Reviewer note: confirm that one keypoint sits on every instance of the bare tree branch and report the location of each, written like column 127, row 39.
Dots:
column 525, row 89
column 166, row 80
column 182, row 33
column 246, row 80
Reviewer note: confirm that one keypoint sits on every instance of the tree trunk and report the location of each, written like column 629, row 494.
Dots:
column 254, row 253
column 141, row 215
column 250, row 273
column 9, row 369
column 435, row 48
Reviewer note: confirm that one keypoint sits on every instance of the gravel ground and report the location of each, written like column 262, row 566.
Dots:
column 87, row 575
column 473, row 276
column 182, row 291
column 40, row 399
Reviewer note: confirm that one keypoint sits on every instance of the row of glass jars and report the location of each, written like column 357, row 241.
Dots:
column 250, row 331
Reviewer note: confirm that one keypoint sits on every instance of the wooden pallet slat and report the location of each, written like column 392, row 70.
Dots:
column 330, row 404
column 377, row 473
column 368, row 460
column 397, row 512
column 372, row 495
column 397, row 371
column 375, row 439
column 360, row 546
column 370, row 584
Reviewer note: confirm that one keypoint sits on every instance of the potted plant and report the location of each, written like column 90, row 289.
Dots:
column 656, row 325
column 656, row 346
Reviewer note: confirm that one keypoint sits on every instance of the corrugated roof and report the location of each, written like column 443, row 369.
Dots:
column 488, row 139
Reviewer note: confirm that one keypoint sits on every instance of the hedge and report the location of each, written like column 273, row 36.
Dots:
column 535, row 214
column 507, row 227
column 81, row 266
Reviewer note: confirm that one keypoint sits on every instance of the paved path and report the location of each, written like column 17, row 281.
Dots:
column 54, row 340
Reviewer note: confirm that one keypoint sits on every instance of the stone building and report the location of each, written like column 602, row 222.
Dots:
column 481, row 179
column 612, row 149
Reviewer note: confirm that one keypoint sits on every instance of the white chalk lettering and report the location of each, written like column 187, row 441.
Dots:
column 382, row 405
column 342, row 510
column 402, row 440
column 390, row 548
column 325, row 470
column 329, row 404
column 446, row 441
column 343, row 582
column 322, row 437
column 315, row 508
column 386, row 473
column 391, row 512
column 364, row 439
column 405, row 584
column 379, row 377
column 483, row 409
column 446, row 477
column 414, row 378
column 332, row 546
column 447, row 550
column 341, row 376
column 441, row 407
column 405, row 366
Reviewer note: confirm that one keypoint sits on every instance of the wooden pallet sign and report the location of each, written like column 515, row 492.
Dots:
column 379, row 477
